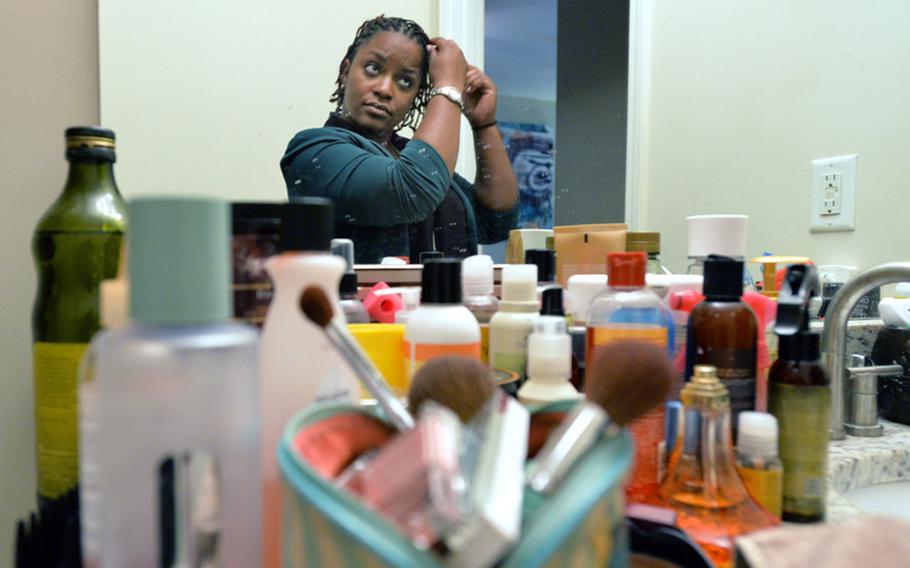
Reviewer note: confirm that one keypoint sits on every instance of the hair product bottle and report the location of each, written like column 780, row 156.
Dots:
column 799, row 396
column 477, row 285
column 512, row 324
column 168, row 404
column 75, row 246
column 757, row 462
column 712, row 505
column 627, row 310
column 441, row 325
column 298, row 365
column 723, row 332
column 353, row 308
column 549, row 362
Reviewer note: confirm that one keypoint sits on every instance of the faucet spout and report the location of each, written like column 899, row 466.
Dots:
column 834, row 334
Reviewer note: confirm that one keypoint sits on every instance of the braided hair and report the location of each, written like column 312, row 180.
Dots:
column 409, row 29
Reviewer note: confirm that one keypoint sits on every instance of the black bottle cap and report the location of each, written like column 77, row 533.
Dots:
column 801, row 346
column 248, row 217
column 90, row 143
column 551, row 302
column 545, row 259
column 440, row 281
column 348, row 285
column 428, row 255
column 308, row 224
column 723, row 278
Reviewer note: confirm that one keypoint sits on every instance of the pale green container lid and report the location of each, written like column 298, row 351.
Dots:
column 179, row 260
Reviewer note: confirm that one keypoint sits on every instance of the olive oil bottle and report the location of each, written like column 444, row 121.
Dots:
column 75, row 246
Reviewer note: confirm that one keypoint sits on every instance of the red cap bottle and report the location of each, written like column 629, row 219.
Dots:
column 626, row 269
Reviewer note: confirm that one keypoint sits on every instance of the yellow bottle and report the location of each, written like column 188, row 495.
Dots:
column 757, row 461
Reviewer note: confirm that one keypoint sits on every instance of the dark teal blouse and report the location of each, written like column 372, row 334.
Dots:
column 379, row 200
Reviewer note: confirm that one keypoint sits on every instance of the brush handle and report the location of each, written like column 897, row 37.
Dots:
column 575, row 436
column 369, row 376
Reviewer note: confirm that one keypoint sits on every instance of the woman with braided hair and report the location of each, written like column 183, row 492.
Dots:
column 396, row 196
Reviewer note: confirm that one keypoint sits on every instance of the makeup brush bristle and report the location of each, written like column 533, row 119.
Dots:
column 460, row 383
column 628, row 378
column 316, row 305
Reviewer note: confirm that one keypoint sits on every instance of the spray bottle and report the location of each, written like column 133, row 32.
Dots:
column 799, row 397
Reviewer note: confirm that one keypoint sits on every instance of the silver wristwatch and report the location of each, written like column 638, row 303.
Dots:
column 450, row 93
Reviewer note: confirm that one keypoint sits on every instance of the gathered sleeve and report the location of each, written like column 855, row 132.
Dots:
column 368, row 186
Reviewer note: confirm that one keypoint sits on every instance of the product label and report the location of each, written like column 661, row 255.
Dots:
column 765, row 486
column 804, row 415
column 509, row 348
column 56, row 369
column 485, row 343
column 420, row 353
column 648, row 431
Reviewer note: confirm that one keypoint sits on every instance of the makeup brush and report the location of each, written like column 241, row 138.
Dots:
column 316, row 305
column 462, row 384
column 625, row 381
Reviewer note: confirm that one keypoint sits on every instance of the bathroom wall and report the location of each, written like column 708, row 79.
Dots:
column 743, row 95
column 49, row 71
column 173, row 72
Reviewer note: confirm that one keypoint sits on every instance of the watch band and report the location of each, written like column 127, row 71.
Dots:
column 450, row 93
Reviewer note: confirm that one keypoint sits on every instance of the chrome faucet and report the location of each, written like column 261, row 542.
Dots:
column 834, row 339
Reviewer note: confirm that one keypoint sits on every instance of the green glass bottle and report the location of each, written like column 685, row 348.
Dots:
column 76, row 245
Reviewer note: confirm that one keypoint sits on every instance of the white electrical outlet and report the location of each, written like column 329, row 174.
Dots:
column 833, row 194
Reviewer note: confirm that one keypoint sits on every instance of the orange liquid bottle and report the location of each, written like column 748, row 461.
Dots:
column 711, row 503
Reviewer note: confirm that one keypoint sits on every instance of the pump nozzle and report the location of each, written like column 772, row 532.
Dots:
column 800, row 285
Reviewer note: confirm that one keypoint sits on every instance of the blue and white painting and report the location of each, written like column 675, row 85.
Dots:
column 530, row 148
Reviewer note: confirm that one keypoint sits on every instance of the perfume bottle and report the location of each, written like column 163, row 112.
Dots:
column 711, row 503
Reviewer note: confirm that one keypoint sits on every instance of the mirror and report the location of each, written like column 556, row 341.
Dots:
column 729, row 104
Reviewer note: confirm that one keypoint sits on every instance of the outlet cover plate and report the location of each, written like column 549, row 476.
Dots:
column 833, row 178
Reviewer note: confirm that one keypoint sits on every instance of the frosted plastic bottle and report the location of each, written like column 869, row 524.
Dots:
column 441, row 326
column 513, row 323
column 172, row 396
column 625, row 311
column 549, row 363
column 298, row 364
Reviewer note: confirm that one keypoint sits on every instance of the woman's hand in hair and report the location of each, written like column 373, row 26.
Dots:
column 448, row 67
column 479, row 97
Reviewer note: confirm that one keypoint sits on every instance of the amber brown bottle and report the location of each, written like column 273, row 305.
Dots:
column 723, row 332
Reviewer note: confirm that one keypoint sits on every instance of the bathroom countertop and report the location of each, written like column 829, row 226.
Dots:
column 861, row 462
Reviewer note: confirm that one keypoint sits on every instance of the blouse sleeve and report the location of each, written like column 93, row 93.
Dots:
column 367, row 186
column 492, row 226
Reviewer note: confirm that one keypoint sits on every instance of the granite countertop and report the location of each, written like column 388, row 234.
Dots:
column 860, row 462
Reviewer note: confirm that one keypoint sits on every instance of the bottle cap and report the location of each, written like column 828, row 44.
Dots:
column 179, row 260
column 429, row 254
column 308, row 224
column 582, row 289
column 545, row 260
column 551, row 302
column 344, row 248
column 440, row 281
column 519, row 283
column 90, row 142
column 477, row 275
column 723, row 278
column 643, row 241
column 717, row 234
column 757, row 434
column 704, row 390
column 626, row 269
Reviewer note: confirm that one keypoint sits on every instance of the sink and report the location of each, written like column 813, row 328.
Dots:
column 888, row 499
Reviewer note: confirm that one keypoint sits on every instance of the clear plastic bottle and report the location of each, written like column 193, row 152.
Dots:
column 513, row 323
column 353, row 308
column 168, row 404
column 477, row 286
column 299, row 365
column 627, row 310
column 757, row 462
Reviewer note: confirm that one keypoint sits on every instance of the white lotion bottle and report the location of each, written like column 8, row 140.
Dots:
column 169, row 416
column 299, row 366
column 549, row 363
column 441, row 325
column 513, row 323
